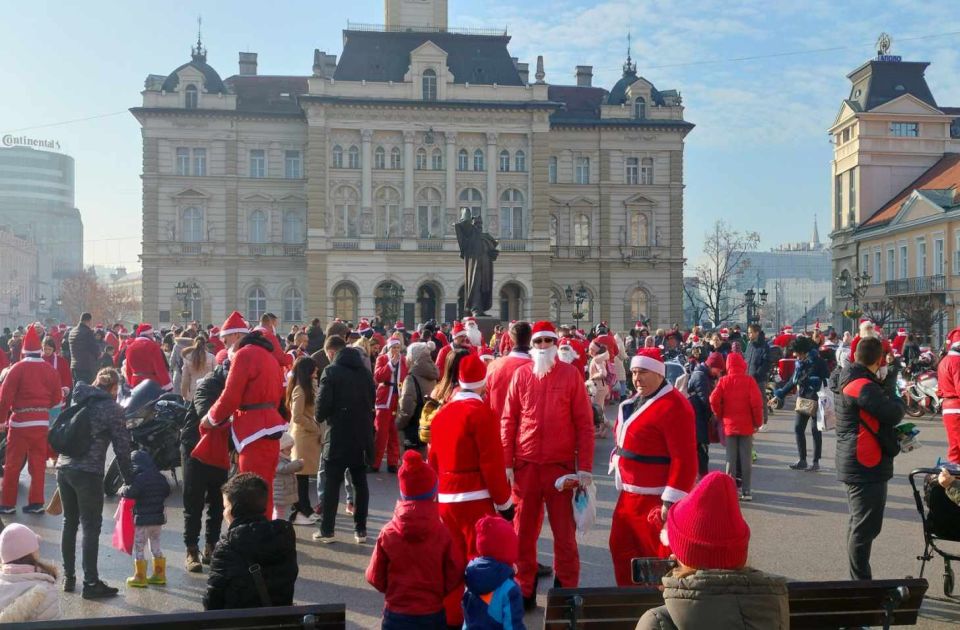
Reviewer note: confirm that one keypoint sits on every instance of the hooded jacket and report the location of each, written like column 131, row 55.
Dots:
column 736, row 399
column 345, row 402
column 107, row 427
column 492, row 599
column 808, row 377
column 757, row 357
column 699, row 387
column 252, row 540
column 27, row 595
column 149, row 489
column 415, row 563
column 424, row 371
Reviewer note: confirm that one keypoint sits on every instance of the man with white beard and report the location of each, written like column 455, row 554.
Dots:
column 547, row 433
column 474, row 334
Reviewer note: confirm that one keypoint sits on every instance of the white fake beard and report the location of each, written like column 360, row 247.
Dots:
column 543, row 360
column 566, row 355
column 475, row 336
column 882, row 373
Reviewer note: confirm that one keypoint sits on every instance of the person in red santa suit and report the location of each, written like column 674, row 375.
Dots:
column 460, row 340
column 547, row 433
column 654, row 463
column 216, row 341
column 948, row 379
column 145, row 360
column 785, row 338
column 500, row 372
column 268, row 330
column 466, row 453
column 569, row 337
column 389, row 371
column 899, row 340
column 250, row 402
column 30, row 388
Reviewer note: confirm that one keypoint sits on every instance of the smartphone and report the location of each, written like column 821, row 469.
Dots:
column 649, row 571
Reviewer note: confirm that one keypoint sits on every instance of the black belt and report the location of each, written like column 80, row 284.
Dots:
column 643, row 459
column 265, row 405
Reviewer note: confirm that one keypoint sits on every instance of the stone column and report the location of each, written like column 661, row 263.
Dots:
column 232, row 222
column 408, row 218
column 315, row 169
column 366, row 172
column 492, row 197
column 152, row 259
column 451, row 181
column 538, row 230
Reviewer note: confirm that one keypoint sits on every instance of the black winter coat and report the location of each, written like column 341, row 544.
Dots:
column 757, row 356
column 315, row 339
column 149, row 489
column 107, row 427
column 208, row 391
column 861, row 399
column 699, row 387
column 249, row 541
column 84, row 350
column 345, row 402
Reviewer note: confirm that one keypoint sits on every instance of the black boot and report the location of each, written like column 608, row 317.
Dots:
column 544, row 570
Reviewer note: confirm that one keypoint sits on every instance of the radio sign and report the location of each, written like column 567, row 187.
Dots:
column 10, row 140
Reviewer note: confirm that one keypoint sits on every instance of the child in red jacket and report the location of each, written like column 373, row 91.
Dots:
column 415, row 563
column 737, row 402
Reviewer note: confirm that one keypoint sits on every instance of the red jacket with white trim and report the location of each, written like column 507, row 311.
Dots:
column 32, row 384
column 656, row 450
column 447, row 349
column 499, row 374
column 144, row 360
column 387, row 383
column 548, row 420
column 62, row 366
column 465, row 451
column 284, row 359
column 948, row 381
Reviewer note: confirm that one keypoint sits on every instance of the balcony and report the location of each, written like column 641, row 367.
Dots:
column 513, row 246
column 386, row 244
column 921, row 285
column 345, row 245
column 276, row 249
column 430, row 245
column 574, row 251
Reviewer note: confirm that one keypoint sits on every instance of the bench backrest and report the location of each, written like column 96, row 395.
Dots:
column 812, row 605
column 312, row 617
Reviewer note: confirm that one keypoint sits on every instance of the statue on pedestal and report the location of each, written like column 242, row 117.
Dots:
column 478, row 250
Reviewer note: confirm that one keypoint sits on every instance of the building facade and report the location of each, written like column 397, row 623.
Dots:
column 18, row 278
column 335, row 194
column 37, row 204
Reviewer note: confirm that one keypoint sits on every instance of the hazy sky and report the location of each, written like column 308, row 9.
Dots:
column 759, row 155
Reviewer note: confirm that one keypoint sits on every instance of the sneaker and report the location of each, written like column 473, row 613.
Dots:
column 746, row 497
column 192, row 562
column 98, row 590
column 314, row 517
column 349, row 509
column 8, row 509
column 360, row 537
column 69, row 584
column 300, row 519
column 800, row 465
column 814, row 467
column 324, row 540
column 33, row 508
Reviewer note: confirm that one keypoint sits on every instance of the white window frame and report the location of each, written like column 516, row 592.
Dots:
column 429, row 85
column 258, row 227
column 256, row 303
column 429, row 213
column 292, row 305
column 380, row 158
column 552, row 168
column 891, row 263
column 939, row 256
column 639, row 108
column 337, row 156
column 436, row 160
column 472, row 199
column 922, row 256
column 581, row 230
column 293, row 227
column 902, row 129
column 646, row 171
column 904, row 256
column 421, row 159
column 387, row 220
column 865, row 263
column 199, row 162
column 478, row 160
column 463, row 160
column 504, row 161
column 631, row 171
column 582, row 170
column 258, row 163
column 520, row 161
column 191, row 97
column 877, row 266
column 353, row 157
column 182, row 161
column 512, row 220
column 396, row 159
column 292, row 164
column 191, row 225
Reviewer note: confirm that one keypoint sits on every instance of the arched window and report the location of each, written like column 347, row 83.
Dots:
column 353, row 157
column 478, row 160
column 380, row 158
column 388, row 213
column 195, row 307
column 471, row 199
column 292, row 306
column 463, row 160
column 421, row 159
column 504, row 165
column 511, row 301
column 388, row 301
column 511, row 214
column 345, row 302
column 395, row 162
column 337, row 156
column 429, row 208
column 520, row 161
column 639, row 108
column 581, row 230
column 436, row 160
column 346, row 219
column 552, row 170
column 639, row 230
column 257, row 227
column 193, row 225
column 429, row 85
column 293, row 227
column 554, row 228
column 256, row 304
column 190, row 97
column 639, row 305
column 428, row 303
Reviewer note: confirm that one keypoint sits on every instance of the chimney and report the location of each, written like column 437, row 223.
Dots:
column 324, row 65
column 524, row 70
column 584, row 76
column 248, row 64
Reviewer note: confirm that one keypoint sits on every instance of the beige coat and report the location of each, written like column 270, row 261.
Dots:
column 191, row 376
column 307, row 434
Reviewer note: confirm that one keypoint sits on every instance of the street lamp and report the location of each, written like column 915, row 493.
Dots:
column 754, row 301
column 187, row 292
column 577, row 298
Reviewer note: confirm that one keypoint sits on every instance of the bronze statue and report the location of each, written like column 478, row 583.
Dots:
column 478, row 250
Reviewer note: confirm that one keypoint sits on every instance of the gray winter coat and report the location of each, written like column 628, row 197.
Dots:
column 108, row 428
column 721, row 600
column 285, row 484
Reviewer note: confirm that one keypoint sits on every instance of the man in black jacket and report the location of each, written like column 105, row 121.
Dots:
column 868, row 409
column 758, row 361
column 345, row 402
column 84, row 351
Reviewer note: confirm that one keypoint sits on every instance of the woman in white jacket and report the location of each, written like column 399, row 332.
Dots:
column 28, row 589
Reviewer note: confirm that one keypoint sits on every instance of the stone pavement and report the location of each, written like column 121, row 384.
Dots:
column 798, row 522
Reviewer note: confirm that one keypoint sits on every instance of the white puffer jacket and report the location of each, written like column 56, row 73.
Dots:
column 27, row 595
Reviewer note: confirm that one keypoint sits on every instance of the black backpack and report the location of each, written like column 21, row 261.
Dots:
column 411, row 432
column 70, row 433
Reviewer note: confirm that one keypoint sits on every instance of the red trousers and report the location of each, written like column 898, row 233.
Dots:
column 260, row 457
column 461, row 520
column 632, row 535
column 535, row 489
column 387, row 438
column 951, row 422
column 28, row 443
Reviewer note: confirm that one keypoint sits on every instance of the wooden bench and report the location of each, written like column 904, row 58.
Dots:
column 812, row 605
column 312, row 617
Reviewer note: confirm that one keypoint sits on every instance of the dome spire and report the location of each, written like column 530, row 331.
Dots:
column 629, row 67
column 199, row 53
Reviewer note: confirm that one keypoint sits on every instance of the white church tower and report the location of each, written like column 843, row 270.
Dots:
column 416, row 14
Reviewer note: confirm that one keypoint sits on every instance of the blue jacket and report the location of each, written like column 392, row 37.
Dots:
column 492, row 598
column 149, row 488
column 809, row 376
column 699, row 388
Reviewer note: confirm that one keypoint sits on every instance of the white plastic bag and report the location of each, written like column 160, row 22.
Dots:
column 826, row 412
column 585, row 509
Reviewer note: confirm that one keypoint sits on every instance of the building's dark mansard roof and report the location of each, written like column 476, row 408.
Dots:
column 383, row 57
column 579, row 102
column 212, row 83
column 274, row 94
column 879, row 82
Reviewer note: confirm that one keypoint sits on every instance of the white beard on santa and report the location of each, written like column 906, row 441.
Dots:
column 475, row 336
column 543, row 360
column 566, row 354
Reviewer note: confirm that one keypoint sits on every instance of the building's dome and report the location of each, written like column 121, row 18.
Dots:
column 618, row 95
column 212, row 83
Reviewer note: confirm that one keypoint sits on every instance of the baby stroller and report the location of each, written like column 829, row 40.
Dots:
column 940, row 518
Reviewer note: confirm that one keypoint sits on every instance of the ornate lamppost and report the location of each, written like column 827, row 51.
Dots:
column 754, row 302
column 188, row 293
column 577, row 298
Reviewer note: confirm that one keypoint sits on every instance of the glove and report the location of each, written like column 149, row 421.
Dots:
column 508, row 513
column 584, row 478
column 510, row 476
column 664, row 510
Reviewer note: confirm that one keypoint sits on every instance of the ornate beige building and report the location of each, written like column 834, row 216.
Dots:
column 334, row 194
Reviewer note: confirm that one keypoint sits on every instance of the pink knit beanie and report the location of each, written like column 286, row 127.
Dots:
column 706, row 529
column 17, row 541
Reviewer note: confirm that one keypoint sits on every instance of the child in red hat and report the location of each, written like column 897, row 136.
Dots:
column 492, row 599
column 415, row 563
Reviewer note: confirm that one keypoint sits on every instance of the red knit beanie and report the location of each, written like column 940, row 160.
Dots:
column 706, row 529
column 418, row 482
column 497, row 539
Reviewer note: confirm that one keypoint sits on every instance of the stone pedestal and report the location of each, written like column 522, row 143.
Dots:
column 486, row 325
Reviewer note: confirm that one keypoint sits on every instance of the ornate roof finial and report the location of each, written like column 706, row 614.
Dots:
column 629, row 67
column 540, row 75
column 199, row 53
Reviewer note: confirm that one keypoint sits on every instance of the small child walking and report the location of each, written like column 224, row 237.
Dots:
column 285, row 482
column 149, row 489
column 492, row 599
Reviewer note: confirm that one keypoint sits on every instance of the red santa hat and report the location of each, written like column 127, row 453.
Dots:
column 648, row 359
column 394, row 340
column 459, row 330
column 31, row 342
column 901, row 332
column 379, row 339
column 469, row 321
column 953, row 337
column 111, row 339
column 865, row 319
column 567, row 347
column 486, row 354
column 706, row 529
column 215, row 331
column 543, row 329
column 364, row 328
column 144, row 330
column 418, row 481
column 497, row 539
column 724, row 333
column 235, row 323
column 694, row 341
column 787, row 329
column 472, row 373
column 638, row 325
column 399, row 326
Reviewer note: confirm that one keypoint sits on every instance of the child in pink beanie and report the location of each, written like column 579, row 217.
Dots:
column 28, row 589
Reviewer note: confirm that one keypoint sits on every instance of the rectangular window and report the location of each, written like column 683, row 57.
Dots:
column 646, row 171
column 852, row 194
column 258, row 163
column 463, row 161
column 865, row 263
column 504, row 162
column 200, row 162
column 292, row 165
column 891, row 265
column 582, row 174
column 183, row 161
column 921, row 258
column 846, row 134
column 633, row 170
column 423, row 221
column 379, row 160
column 877, row 266
column 905, row 129
column 938, row 269
column 903, row 261
column 395, row 159
column 511, row 222
column 552, row 170
column 838, row 202
column 436, row 161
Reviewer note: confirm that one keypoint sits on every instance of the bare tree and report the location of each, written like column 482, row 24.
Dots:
column 83, row 292
column 695, row 303
column 724, row 260
column 921, row 312
column 880, row 312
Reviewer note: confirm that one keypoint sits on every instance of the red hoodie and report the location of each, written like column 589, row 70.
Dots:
column 736, row 399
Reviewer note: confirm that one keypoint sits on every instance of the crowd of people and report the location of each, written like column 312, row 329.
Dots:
column 486, row 435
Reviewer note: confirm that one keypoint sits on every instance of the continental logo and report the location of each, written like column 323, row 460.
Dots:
column 10, row 140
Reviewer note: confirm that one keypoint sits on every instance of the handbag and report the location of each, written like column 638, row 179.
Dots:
column 806, row 407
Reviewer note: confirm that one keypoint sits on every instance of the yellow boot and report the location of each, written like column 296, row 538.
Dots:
column 139, row 578
column 159, row 577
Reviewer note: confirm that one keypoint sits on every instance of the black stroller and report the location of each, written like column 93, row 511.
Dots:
column 941, row 521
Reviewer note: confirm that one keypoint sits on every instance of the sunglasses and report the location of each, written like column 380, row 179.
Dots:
column 543, row 341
